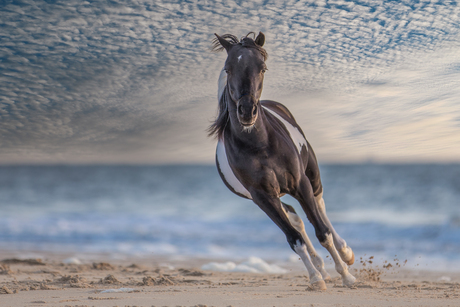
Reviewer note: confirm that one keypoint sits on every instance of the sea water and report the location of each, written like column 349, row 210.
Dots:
column 403, row 212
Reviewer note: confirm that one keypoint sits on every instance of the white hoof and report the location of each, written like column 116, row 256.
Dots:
column 348, row 280
column 318, row 285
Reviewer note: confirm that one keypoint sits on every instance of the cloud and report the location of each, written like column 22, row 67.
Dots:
column 136, row 82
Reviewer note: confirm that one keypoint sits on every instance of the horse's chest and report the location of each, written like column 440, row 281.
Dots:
column 267, row 173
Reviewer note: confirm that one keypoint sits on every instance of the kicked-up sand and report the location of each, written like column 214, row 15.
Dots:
column 100, row 280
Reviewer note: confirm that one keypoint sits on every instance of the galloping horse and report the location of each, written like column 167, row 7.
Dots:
column 262, row 154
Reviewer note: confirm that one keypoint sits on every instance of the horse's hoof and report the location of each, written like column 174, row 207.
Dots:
column 319, row 285
column 352, row 260
column 348, row 280
column 347, row 255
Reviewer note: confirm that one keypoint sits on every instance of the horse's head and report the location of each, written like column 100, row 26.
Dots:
column 245, row 68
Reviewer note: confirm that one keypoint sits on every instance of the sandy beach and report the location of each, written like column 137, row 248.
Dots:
column 54, row 280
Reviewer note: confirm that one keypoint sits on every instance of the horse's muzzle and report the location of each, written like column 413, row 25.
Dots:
column 247, row 110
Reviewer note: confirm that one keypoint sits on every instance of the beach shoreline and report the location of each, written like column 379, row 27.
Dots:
column 64, row 279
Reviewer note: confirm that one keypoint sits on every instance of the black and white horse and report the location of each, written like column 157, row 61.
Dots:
column 262, row 154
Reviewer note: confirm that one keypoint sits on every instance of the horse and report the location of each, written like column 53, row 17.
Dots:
column 262, row 154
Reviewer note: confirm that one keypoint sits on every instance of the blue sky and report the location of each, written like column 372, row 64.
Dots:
column 135, row 81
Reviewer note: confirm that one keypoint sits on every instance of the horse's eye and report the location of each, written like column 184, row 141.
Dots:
column 264, row 70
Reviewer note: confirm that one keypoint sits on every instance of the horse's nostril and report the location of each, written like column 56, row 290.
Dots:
column 254, row 111
column 240, row 109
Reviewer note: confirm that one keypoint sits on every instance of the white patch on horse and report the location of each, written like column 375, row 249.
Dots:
column 221, row 84
column 296, row 136
column 226, row 170
column 248, row 129
column 239, row 58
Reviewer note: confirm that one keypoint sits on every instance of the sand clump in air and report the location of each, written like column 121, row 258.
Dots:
column 372, row 275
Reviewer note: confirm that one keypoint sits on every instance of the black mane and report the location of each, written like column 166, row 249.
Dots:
column 218, row 126
column 245, row 41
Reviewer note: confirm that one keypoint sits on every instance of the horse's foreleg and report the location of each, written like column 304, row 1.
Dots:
column 316, row 279
column 344, row 250
column 274, row 209
column 323, row 233
column 298, row 224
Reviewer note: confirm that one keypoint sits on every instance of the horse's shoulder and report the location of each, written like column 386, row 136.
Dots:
column 285, row 117
column 282, row 111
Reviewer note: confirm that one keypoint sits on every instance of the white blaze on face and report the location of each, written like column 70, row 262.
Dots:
column 225, row 169
column 296, row 137
column 239, row 58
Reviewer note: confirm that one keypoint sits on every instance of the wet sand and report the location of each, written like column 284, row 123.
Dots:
column 101, row 280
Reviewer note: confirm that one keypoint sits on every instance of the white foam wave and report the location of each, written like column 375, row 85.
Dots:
column 72, row 260
column 253, row 265
column 120, row 290
column 389, row 217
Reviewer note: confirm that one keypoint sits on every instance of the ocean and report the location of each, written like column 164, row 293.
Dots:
column 392, row 213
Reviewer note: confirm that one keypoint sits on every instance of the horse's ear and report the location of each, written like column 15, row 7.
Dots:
column 260, row 39
column 225, row 43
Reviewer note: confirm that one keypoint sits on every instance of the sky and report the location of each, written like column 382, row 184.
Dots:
column 136, row 82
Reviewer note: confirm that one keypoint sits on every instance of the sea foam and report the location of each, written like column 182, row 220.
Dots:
column 252, row 265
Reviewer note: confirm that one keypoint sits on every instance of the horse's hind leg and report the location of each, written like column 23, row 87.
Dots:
column 307, row 200
column 278, row 214
column 298, row 224
column 313, row 175
column 344, row 250
column 340, row 266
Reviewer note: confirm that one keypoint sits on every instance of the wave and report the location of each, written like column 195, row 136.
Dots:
column 186, row 210
column 391, row 217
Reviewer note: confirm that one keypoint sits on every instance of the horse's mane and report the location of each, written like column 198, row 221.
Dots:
column 218, row 126
column 245, row 41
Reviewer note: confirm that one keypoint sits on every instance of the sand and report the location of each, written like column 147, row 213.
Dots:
column 134, row 281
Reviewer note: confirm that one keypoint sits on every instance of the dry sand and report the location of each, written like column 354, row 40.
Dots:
column 165, row 282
